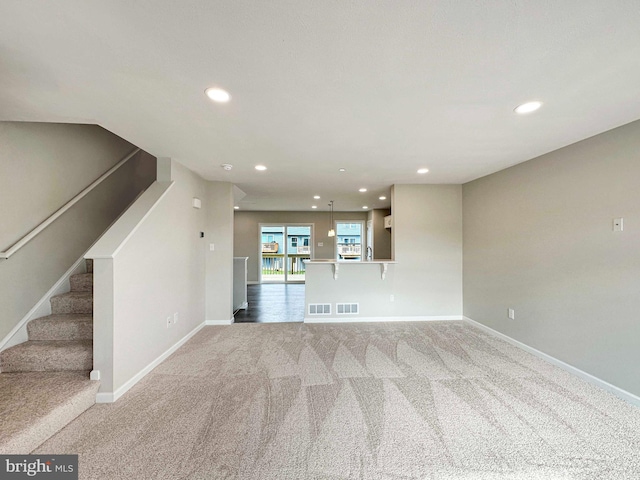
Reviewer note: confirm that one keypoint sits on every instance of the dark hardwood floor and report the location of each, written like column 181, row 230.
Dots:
column 271, row 303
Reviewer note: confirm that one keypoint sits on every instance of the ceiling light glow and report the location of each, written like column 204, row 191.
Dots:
column 362, row 190
column 342, row 170
column 527, row 107
column 316, row 197
column 382, row 198
column 236, row 208
column 218, row 95
column 314, row 206
column 262, row 168
column 423, row 170
column 365, row 207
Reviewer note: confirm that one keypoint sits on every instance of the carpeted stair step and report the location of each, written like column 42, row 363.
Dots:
column 47, row 355
column 72, row 302
column 36, row 405
column 61, row 327
column 82, row 282
column 89, row 264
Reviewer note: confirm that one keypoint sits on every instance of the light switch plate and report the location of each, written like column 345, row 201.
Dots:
column 618, row 224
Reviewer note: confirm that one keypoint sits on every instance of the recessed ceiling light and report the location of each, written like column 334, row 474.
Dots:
column 314, row 206
column 365, row 207
column 227, row 166
column 218, row 95
column 527, row 107
column 316, row 197
column 236, row 208
column 362, row 190
column 342, row 170
column 423, row 170
column 260, row 167
column 382, row 198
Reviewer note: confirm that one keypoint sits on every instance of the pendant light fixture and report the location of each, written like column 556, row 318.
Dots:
column 332, row 232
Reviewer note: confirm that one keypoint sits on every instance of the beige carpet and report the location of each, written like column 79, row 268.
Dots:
column 369, row 401
column 35, row 405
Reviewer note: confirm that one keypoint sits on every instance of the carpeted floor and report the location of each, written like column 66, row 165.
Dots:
column 361, row 401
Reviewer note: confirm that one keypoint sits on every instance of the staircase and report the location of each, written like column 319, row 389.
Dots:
column 44, row 382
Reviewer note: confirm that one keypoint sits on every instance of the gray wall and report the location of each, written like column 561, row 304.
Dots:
column 43, row 166
column 158, row 272
column 427, row 244
column 219, row 261
column 153, row 263
column 538, row 238
column 247, row 237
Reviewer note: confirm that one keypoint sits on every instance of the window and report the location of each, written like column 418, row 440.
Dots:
column 294, row 241
column 349, row 244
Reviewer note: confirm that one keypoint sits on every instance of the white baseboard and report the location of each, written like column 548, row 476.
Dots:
column 617, row 391
column 18, row 334
column 350, row 319
column 219, row 322
column 110, row 397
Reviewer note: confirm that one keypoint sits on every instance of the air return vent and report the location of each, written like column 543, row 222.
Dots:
column 347, row 308
column 319, row 309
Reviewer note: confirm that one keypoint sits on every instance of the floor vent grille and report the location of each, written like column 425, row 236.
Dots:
column 319, row 309
column 347, row 308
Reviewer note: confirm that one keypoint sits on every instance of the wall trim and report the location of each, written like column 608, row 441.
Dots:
column 220, row 322
column 42, row 308
column 428, row 318
column 110, row 397
column 617, row 391
column 253, row 282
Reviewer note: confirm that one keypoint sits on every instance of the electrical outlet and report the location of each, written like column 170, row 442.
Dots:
column 512, row 313
column 175, row 318
column 168, row 322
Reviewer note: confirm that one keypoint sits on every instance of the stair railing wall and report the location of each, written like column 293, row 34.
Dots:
column 33, row 233
column 40, row 259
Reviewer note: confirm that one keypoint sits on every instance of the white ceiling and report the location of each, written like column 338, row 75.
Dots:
column 380, row 88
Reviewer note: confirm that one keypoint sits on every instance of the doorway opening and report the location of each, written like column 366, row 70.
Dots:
column 283, row 250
